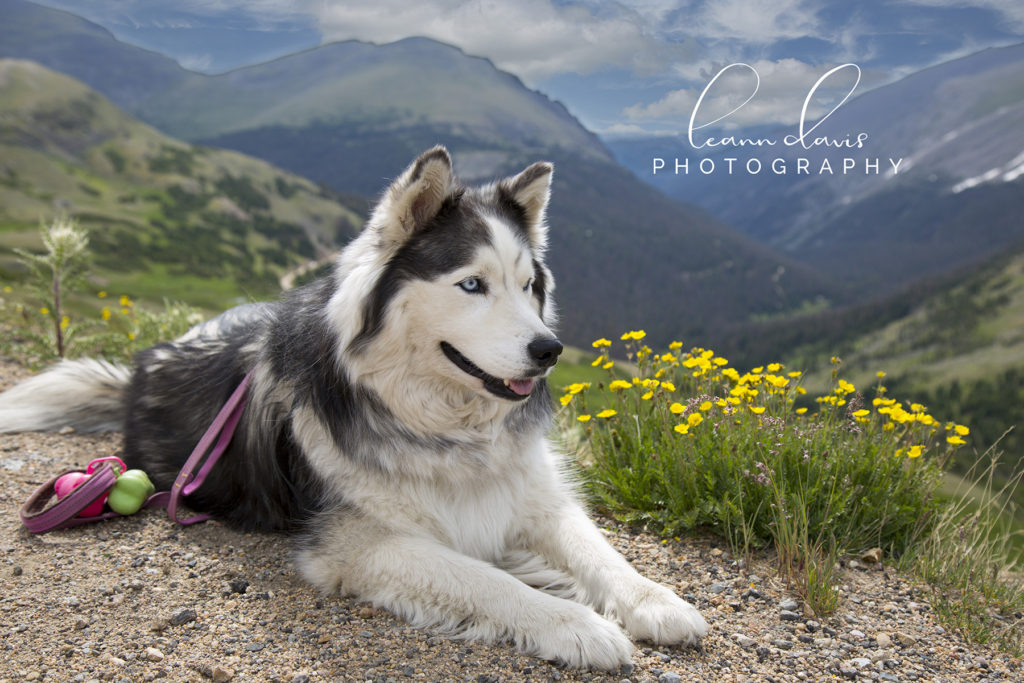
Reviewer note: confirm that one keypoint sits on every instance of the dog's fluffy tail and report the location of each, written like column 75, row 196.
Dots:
column 86, row 394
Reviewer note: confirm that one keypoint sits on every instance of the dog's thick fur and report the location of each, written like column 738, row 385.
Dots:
column 397, row 423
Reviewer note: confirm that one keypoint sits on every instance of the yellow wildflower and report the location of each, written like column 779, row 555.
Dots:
column 682, row 428
column 668, row 386
column 597, row 361
column 647, row 396
column 757, row 410
column 44, row 310
column 634, row 334
column 601, row 343
column 608, row 365
column 102, row 294
column 606, row 413
column 694, row 419
column 801, row 411
column 583, row 418
column 675, row 346
column 619, row 384
column 955, row 441
column 677, row 408
column 705, row 406
column 962, row 430
column 795, row 373
column 774, row 367
column 577, row 387
column 915, row 451
column 861, row 413
column 64, row 322
column 105, row 314
column 880, row 374
column 564, row 400
column 125, row 301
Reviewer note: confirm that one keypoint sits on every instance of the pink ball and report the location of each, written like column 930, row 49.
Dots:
column 67, row 483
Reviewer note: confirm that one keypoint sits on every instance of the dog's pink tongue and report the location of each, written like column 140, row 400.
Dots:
column 523, row 387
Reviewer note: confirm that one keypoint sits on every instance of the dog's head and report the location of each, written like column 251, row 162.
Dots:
column 460, row 282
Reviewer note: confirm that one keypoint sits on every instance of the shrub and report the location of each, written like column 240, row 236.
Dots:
column 690, row 443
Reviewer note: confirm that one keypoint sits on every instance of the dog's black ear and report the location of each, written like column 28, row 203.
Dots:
column 530, row 191
column 415, row 197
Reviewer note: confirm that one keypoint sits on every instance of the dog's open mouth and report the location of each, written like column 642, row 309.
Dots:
column 511, row 389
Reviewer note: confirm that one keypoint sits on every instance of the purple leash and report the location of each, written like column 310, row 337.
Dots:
column 39, row 519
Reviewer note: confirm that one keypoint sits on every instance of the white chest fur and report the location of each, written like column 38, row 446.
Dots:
column 475, row 501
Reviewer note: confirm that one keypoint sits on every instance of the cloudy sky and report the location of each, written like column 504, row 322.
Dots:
column 631, row 66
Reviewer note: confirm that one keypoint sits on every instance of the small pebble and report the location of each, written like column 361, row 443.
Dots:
column 182, row 617
column 669, row 677
column 789, row 605
column 746, row 642
column 154, row 655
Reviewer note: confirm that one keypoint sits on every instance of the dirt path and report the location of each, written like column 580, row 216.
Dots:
column 139, row 599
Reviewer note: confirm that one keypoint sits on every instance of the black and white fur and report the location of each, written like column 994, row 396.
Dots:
column 397, row 421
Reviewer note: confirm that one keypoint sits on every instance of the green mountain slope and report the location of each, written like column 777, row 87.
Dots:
column 414, row 82
column 955, row 345
column 166, row 218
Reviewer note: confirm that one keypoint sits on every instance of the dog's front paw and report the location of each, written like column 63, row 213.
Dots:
column 660, row 616
column 580, row 638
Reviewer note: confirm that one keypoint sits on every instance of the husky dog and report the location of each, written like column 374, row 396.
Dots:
column 396, row 423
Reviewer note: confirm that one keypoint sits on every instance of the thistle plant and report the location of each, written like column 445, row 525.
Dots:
column 58, row 270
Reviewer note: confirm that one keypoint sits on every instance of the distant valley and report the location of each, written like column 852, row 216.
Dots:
column 958, row 197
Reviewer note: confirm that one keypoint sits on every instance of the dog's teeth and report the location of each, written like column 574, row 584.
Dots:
column 506, row 382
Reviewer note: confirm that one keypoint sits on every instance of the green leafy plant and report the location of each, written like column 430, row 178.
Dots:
column 57, row 271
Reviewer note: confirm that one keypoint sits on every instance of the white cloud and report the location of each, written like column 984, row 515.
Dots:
column 201, row 63
column 1011, row 10
column 780, row 94
column 534, row 39
column 756, row 22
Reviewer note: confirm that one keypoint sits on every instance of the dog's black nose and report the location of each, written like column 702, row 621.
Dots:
column 544, row 351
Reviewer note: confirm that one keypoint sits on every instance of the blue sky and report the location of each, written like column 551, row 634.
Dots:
column 627, row 67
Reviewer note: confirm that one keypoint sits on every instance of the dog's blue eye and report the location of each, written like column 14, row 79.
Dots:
column 471, row 284
column 526, row 287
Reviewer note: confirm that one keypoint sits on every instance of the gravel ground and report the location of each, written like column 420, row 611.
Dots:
column 140, row 599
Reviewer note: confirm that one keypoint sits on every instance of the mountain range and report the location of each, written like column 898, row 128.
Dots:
column 351, row 115
column 166, row 218
column 957, row 132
